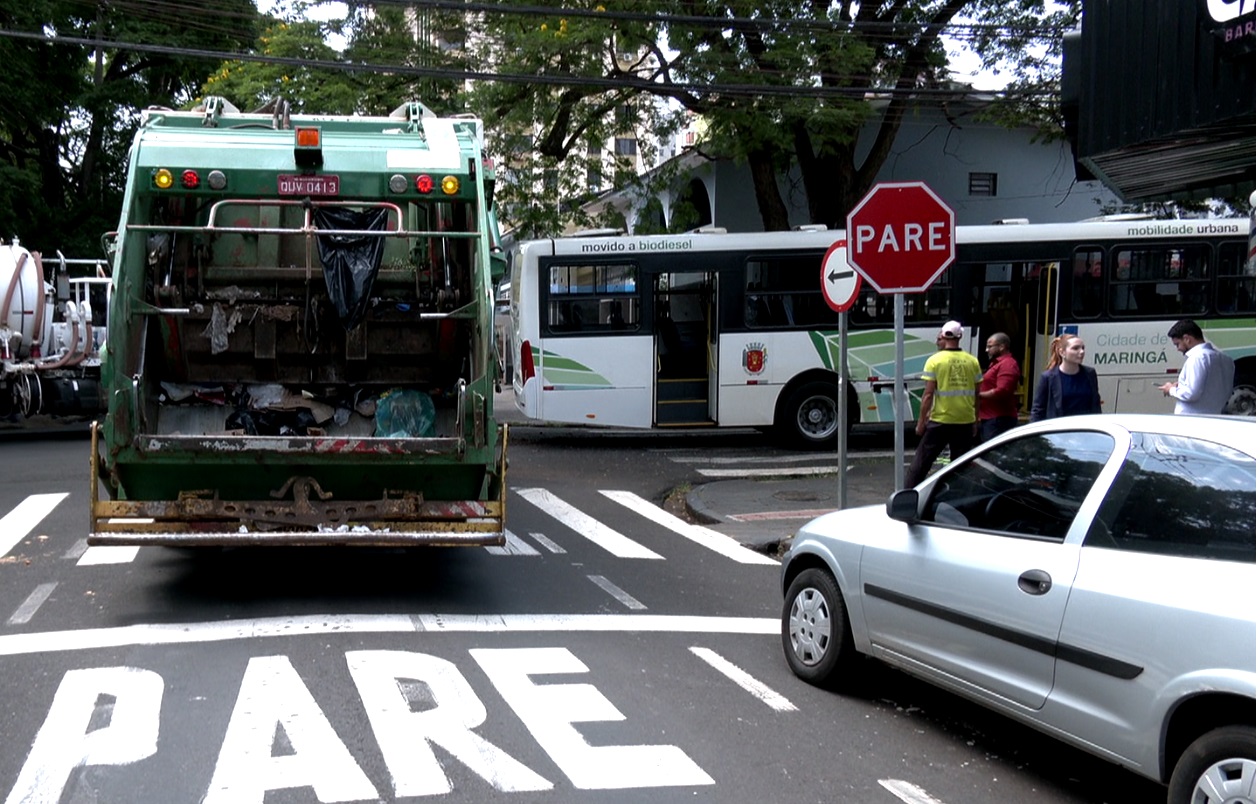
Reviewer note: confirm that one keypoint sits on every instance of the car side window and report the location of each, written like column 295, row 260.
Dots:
column 1031, row 486
column 1181, row 496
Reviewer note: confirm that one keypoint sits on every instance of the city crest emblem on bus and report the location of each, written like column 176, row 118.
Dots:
column 755, row 358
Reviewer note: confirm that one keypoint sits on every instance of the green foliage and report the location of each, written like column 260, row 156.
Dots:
column 70, row 113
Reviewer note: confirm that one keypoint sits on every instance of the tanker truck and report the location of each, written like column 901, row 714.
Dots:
column 301, row 347
column 52, row 328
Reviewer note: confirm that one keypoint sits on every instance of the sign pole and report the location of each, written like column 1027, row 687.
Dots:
column 842, row 410
column 899, row 391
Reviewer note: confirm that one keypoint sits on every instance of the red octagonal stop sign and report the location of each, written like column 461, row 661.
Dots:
column 901, row 237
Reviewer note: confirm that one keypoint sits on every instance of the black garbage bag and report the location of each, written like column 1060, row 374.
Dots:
column 351, row 262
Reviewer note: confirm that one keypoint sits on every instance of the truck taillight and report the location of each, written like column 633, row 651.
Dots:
column 190, row 180
column 424, row 183
column 527, row 361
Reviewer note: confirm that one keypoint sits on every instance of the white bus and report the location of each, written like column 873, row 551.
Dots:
column 732, row 330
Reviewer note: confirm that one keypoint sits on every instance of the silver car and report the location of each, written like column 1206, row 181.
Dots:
column 1093, row 577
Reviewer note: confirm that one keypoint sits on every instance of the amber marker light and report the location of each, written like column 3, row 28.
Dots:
column 450, row 185
column 162, row 179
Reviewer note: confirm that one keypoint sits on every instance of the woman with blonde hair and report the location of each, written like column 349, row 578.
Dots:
column 1067, row 387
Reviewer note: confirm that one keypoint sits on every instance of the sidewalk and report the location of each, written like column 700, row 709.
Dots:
column 762, row 514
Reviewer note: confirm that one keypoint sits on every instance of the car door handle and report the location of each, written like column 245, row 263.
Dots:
column 1035, row 582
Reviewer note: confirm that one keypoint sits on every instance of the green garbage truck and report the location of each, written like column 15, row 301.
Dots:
column 301, row 346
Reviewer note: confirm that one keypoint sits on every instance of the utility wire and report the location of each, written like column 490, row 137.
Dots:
column 550, row 79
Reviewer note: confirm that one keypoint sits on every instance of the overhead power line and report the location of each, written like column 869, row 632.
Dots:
column 721, row 90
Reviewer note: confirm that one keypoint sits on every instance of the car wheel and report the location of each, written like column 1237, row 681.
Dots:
column 1217, row 768
column 815, row 628
column 809, row 416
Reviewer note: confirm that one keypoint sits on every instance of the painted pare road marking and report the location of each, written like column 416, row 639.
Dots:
column 702, row 536
column 586, row 526
column 758, row 690
column 620, row 595
column 909, row 793
column 320, row 625
column 32, row 603
column 25, row 516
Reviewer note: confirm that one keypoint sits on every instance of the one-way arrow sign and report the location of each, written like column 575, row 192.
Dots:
column 840, row 283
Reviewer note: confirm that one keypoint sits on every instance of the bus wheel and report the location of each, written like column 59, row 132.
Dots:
column 809, row 416
column 1242, row 401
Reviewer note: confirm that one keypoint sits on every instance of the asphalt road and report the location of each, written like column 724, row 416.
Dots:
column 610, row 652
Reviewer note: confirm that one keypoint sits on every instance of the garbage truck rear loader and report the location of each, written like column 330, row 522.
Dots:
column 301, row 345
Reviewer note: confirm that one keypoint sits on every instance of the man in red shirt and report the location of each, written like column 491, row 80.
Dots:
column 999, row 407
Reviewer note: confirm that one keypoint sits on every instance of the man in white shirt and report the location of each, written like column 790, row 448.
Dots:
column 1207, row 378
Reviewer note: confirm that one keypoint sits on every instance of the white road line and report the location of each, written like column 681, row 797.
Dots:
column 32, row 603
column 702, row 536
column 109, row 554
column 909, row 793
column 586, row 526
column 622, row 596
column 23, row 519
column 547, row 544
column 76, row 550
column 319, row 625
column 802, row 471
column 743, row 460
column 758, row 690
column 514, row 547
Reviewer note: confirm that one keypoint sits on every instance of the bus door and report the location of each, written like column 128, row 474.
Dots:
column 684, row 327
column 1017, row 298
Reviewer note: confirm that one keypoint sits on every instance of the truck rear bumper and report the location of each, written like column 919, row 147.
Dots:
column 309, row 517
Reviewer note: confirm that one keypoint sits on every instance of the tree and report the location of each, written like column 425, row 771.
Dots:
column 72, row 109
column 779, row 83
column 375, row 39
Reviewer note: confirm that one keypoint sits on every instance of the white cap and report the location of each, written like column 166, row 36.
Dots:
column 952, row 329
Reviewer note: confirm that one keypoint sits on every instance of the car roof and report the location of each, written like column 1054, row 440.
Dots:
column 1238, row 432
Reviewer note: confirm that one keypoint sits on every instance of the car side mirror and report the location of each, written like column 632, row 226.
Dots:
column 903, row 506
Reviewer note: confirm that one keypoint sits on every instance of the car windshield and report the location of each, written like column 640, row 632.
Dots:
column 1029, row 486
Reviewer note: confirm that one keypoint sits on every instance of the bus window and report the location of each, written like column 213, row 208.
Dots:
column 593, row 298
column 1169, row 282
column 1236, row 290
column 783, row 292
column 1087, row 283
column 931, row 306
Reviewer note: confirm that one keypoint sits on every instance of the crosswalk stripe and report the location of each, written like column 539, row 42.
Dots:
column 515, row 547
column 547, row 544
column 585, row 525
column 108, row 554
column 702, row 536
column 23, row 519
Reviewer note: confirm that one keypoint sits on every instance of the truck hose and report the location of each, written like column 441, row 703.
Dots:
column 64, row 360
